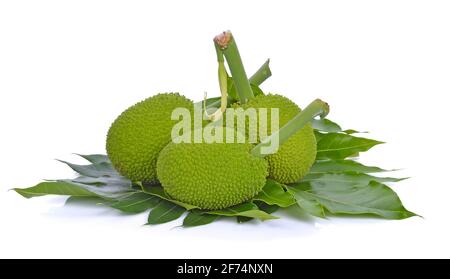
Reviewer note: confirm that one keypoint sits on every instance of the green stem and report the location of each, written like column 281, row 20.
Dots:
column 262, row 74
column 223, row 83
column 316, row 108
column 227, row 45
column 223, row 75
column 257, row 78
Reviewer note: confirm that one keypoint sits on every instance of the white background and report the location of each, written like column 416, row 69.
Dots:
column 68, row 68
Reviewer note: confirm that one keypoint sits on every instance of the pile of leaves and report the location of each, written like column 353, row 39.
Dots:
column 337, row 184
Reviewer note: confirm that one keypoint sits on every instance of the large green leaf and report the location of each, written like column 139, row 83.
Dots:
column 339, row 166
column 339, row 186
column 113, row 181
column 157, row 190
column 273, row 193
column 95, row 158
column 262, row 206
column 54, row 188
column 347, row 198
column 325, row 125
column 336, row 179
column 165, row 212
column 110, row 191
column 69, row 188
column 309, row 204
column 136, row 203
column 98, row 179
column 246, row 209
column 341, row 146
column 93, row 170
column 197, row 218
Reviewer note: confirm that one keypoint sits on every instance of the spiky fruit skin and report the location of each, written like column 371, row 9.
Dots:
column 137, row 136
column 211, row 175
column 296, row 156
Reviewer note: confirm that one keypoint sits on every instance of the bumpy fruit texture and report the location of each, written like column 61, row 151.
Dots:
column 138, row 135
column 211, row 175
column 296, row 156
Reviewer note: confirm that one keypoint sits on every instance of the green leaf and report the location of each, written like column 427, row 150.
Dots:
column 97, row 180
column 136, row 203
column 69, row 188
column 196, row 218
column 336, row 179
column 54, row 188
column 231, row 89
column 346, row 198
column 165, row 212
column 157, row 190
column 256, row 90
column 273, row 193
column 332, row 166
column 242, row 219
column 104, row 181
column 341, row 146
column 309, row 204
column 262, row 206
column 84, row 200
column 96, row 158
column 351, row 132
column 110, row 191
column 268, row 208
column 246, row 209
column 212, row 101
column 318, row 135
column 325, row 125
column 93, row 170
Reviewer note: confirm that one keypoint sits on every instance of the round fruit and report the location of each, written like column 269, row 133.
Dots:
column 295, row 157
column 211, row 175
column 137, row 136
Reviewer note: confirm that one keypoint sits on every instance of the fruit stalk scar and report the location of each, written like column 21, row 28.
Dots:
column 316, row 108
column 227, row 45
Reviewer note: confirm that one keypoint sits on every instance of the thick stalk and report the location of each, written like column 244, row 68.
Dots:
column 316, row 108
column 227, row 45
column 261, row 75
column 257, row 78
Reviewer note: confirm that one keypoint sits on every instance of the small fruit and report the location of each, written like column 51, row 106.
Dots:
column 137, row 136
column 296, row 156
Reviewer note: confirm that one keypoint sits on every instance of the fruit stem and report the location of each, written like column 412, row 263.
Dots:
column 261, row 75
column 257, row 78
column 316, row 108
column 223, row 83
column 227, row 45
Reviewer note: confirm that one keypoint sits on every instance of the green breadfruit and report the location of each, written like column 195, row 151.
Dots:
column 296, row 156
column 137, row 136
column 211, row 175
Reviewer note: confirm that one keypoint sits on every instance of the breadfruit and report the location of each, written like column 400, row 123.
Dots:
column 137, row 136
column 295, row 157
column 211, row 175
